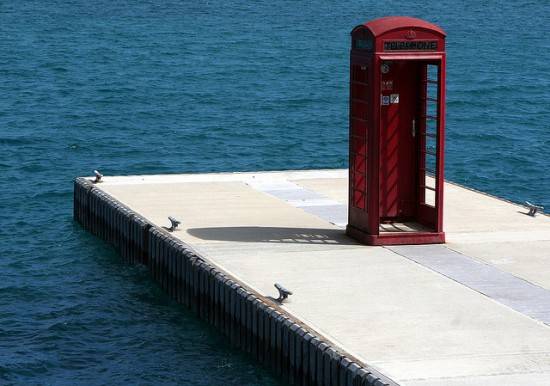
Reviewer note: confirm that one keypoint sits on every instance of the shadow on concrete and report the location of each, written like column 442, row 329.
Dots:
column 273, row 235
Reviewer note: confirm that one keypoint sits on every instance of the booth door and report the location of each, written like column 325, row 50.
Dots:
column 398, row 139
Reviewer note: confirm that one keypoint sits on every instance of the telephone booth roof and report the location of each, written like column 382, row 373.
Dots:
column 383, row 25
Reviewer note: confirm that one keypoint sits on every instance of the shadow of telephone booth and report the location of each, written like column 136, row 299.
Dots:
column 396, row 132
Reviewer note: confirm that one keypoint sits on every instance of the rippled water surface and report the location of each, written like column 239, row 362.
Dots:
column 140, row 87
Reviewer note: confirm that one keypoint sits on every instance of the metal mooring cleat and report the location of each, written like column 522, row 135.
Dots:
column 174, row 223
column 283, row 293
column 98, row 177
column 533, row 209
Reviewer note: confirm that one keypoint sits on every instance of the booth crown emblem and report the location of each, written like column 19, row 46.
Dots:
column 410, row 34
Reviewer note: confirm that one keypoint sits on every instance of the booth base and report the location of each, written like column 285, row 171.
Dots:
column 395, row 237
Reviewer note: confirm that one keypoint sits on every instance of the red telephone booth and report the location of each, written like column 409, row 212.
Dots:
column 396, row 132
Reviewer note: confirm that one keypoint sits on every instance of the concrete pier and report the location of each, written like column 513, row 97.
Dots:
column 473, row 311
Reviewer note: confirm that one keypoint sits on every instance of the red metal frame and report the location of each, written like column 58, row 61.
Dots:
column 407, row 46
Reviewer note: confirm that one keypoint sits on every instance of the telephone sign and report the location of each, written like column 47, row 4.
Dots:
column 419, row 45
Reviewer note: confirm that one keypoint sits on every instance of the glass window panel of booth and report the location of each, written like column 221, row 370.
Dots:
column 359, row 73
column 431, row 128
column 359, row 109
column 432, row 77
column 358, row 163
column 429, row 180
column 430, row 165
column 431, row 143
column 359, row 91
column 429, row 197
column 358, row 137
column 359, row 180
column 433, row 71
column 431, row 108
column 430, row 134
column 359, row 196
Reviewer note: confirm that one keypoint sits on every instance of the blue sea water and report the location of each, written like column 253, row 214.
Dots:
column 141, row 87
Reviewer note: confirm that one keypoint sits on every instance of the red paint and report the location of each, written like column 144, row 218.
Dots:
column 397, row 109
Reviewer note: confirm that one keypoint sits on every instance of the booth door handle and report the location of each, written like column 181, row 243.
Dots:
column 413, row 129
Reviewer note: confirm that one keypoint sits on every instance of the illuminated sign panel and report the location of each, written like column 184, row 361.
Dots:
column 408, row 45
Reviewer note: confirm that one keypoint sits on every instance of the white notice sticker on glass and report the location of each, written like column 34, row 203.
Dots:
column 394, row 98
column 385, row 100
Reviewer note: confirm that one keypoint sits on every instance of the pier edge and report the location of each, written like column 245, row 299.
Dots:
column 296, row 353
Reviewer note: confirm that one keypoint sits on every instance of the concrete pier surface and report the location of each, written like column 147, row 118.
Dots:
column 473, row 311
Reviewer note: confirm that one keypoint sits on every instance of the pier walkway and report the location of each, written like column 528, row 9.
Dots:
column 474, row 311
